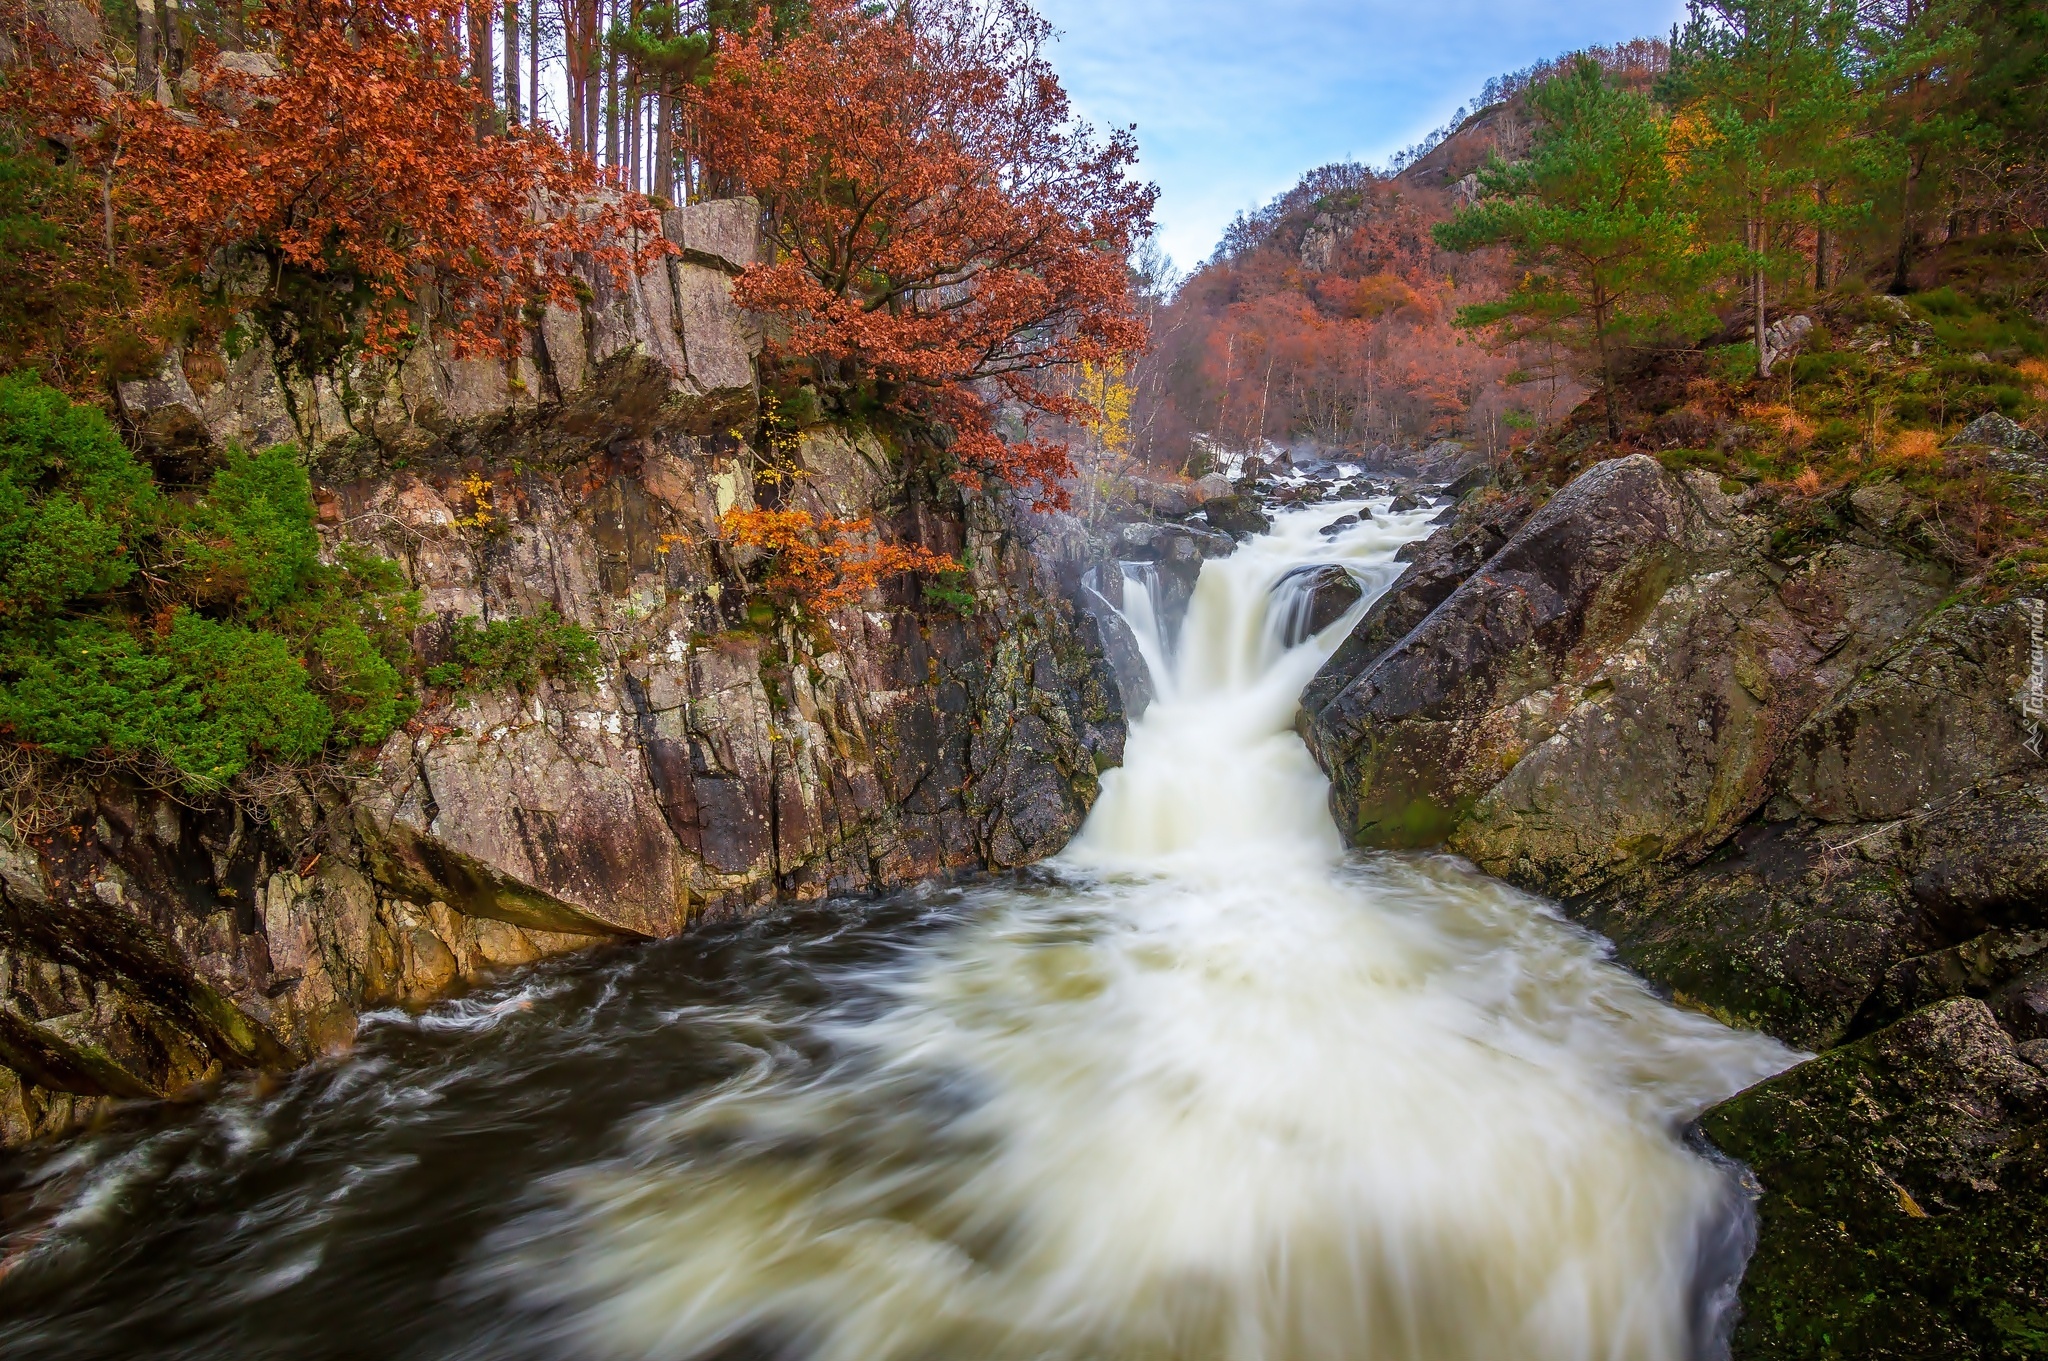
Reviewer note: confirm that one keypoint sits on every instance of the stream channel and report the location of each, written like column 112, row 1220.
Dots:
column 1205, row 1087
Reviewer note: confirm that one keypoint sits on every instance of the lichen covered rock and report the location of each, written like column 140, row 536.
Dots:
column 1904, row 1196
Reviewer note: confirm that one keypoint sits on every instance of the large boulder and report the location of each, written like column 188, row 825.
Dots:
column 1406, row 755
column 1436, row 566
column 1311, row 599
column 1904, row 1202
column 1607, row 697
column 1934, row 716
column 1239, row 516
column 1665, row 740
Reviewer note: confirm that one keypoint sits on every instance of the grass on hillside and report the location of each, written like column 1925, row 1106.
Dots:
column 1877, row 395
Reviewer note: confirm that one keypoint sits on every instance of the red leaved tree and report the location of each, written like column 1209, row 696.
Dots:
column 947, row 235
column 334, row 190
column 827, row 564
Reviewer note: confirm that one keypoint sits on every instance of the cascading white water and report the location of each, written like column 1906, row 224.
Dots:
column 1215, row 1090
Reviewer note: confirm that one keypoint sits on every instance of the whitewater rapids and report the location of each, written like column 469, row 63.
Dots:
column 1205, row 1088
column 1226, row 1096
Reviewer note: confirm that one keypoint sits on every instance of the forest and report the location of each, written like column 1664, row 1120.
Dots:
column 1602, row 213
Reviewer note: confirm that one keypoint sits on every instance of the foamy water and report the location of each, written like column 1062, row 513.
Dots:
column 1205, row 1087
column 1227, row 1096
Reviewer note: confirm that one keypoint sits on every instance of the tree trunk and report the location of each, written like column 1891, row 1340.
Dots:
column 173, row 38
column 1903, row 265
column 482, row 63
column 611, row 101
column 1820, row 239
column 593, row 76
column 664, row 143
column 635, row 97
column 1606, row 375
column 1763, row 345
column 576, row 75
column 147, row 58
column 629, row 111
column 511, row 63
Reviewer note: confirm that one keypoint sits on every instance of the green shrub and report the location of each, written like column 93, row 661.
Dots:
column 250, row 538
column 517, row 653
column 368, row 695
column 195, row 639
column 204, row 699
column 255, row 698
column 1836, row 434
column 71, row 500
column 1944, row 302
column 87, row 688
column 1733, row 363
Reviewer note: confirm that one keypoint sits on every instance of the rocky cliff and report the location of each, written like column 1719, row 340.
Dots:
column 1795, row 775
column 726, row 754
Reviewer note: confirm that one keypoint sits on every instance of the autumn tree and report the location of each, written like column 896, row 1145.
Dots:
column 1593, row 217
column 948, row 238
column 335, row 196
column 825, row 565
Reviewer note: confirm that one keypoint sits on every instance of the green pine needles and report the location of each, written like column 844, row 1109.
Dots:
column 1609, row 248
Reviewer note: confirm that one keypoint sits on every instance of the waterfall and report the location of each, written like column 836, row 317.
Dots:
column 1221, row 1093
column 1205, row 1088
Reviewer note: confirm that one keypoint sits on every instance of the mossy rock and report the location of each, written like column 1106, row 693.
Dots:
column 1904, row 1205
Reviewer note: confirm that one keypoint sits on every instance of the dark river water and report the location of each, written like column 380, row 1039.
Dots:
column 1205, row 1088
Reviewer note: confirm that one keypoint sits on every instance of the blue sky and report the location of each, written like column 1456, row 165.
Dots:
column 1233, row 100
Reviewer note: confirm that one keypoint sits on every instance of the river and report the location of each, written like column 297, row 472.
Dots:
column 1206, row 1087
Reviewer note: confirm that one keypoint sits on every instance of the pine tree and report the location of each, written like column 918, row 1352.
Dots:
column 1593, row 218
column 1771, row 123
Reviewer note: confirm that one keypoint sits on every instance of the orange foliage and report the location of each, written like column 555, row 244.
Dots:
column 826, row 565
column 1349, row 343
column 948, row 235
column 1916, row 444
column 2035, row 371
column 1787, row 422
column 360, row 165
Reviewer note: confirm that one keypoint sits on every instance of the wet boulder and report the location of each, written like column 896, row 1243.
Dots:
column 1239, row 516
column 1436, row 567
column 1904, row 1195
column 1343, row 522
column 1929, row 720
column 1405, row 757
column 1162, row 497
column 1314, row 598
column 1471, row 480
column 1404, row 502
column 1658, row 735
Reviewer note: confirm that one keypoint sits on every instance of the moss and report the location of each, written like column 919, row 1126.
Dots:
column 1905, row 1198
column 1406, row 823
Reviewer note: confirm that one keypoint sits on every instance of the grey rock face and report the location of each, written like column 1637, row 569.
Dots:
column 723, row 757
column 163, row 410
column 724, row 233
column 1994, row 431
